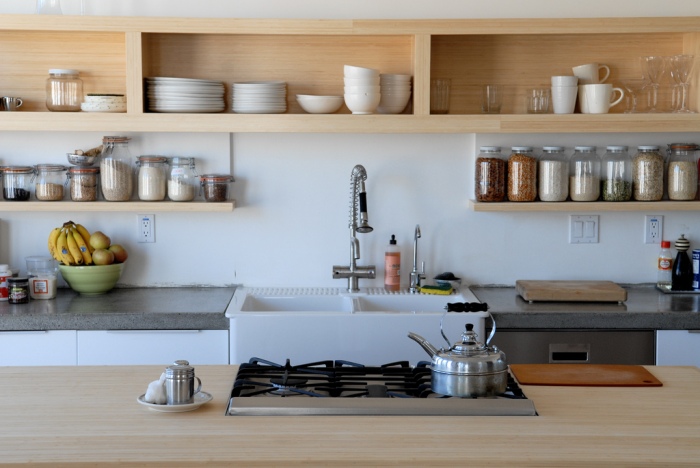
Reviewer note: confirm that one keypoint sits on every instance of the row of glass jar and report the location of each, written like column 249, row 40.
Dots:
column 554, row 177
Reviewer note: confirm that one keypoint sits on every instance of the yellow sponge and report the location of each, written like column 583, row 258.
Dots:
column 430, row 289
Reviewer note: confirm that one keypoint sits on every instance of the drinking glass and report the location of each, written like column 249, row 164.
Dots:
column 633, row 89
column 48, row 7
column 653, row 68
column 681, row 67
column 491, row 98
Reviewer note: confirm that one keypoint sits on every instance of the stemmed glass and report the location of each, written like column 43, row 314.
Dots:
column 681, row 67
column 633, row 89
column 653, row 68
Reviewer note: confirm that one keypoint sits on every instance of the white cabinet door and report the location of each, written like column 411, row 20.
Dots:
column 678, row 348
column 123, row 347
column 37, row 348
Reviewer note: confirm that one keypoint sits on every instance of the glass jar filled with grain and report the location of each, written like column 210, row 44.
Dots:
column 83, row 183
column 182, row 181
column 553, row 175
column 584, row 174
column 682, row 171
column 522, row 174
column 49, row 182
column 616, row 174
column 216, row 187
column 648, row 174
column 152, row 177
column 116, row 171
column 490, row 175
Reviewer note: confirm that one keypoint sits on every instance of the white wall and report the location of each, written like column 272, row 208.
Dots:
column 290, row 226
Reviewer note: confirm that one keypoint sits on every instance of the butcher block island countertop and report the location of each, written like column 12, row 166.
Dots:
column 89, row 416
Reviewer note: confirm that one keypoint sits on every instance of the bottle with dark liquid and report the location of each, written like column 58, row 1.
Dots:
column 682, row 277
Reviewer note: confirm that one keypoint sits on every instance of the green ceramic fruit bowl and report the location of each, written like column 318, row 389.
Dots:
column 92, row 280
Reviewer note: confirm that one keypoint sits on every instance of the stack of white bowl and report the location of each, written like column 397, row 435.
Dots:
column 362, row 93
column 168, row 94
column 395, row 91
column 104, row 103
column 260, row 97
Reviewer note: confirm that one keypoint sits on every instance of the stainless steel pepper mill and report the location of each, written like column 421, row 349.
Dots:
column 179, row 383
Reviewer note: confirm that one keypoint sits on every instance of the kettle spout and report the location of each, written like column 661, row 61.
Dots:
column 425, row 344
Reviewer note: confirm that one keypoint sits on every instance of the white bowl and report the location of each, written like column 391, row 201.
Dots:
column 390, row 100
column 319, row 104
column 362, row 103
column 394, row 78
column 362, row 89
column 351, row 71
column 390, row 109
column 361, row 81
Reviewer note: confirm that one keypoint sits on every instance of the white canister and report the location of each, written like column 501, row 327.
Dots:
column 42, row 286
column 5, row 273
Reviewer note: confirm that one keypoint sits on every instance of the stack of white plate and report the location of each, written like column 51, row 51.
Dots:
column 260, row 97
column 361, row 89
column 167, row 94
column 104, row 103
column 396, row 91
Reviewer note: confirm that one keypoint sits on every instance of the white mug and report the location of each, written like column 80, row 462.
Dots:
column 598, row 98
column 590, row 73
column 564, row 99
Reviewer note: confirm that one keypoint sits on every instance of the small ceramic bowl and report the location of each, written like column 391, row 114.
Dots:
column 80, row 159
column 319, row 104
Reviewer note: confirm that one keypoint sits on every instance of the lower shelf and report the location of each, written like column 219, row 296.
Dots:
column 597, row 206
column 130, row 206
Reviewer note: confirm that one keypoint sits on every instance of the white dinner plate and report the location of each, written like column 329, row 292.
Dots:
column 199, row 399
column 173, row 80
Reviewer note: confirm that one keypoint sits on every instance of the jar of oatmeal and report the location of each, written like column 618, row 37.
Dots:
column 648, row 174
column 553, row 175
column 522, row 174
column 49, row 182
column 182, row 181
column 116, row 172
column 216, row 187
column 584, row 174
column 616, row 174
column 152, row 177
column 490, row 175
column 682, row 171
column 83, row 183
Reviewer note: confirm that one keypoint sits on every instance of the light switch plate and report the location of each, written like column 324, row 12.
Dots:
column 584, row 229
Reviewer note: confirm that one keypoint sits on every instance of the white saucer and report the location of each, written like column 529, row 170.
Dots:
column 199, row 399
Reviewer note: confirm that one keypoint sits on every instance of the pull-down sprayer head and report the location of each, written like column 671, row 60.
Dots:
column 364, row 226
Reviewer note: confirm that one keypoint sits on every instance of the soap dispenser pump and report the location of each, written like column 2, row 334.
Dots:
column 682, row 278
column 392, row 266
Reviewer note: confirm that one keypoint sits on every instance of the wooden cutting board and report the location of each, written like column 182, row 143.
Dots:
column 584, row 375
column 570, row 291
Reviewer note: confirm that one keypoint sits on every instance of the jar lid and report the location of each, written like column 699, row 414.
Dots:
column 83, row 170
column 521, row 148
column 49, row 168
column 648, row 148
column 585, row 148
column 181, row 160
column 4, row 267
column 17, row 169
column 115, row 139
column 616, row 148
column 490, row 148
column 552, row 148
column 216, row 178
column 63, row 71
column 683, row 146
column 19, row 279
column 153, row 159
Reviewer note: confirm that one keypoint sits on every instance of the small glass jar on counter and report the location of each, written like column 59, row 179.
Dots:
column 522, row 174
column 216, row 187
column 648, row 174
column 553, row 175
column 152, row 177
column 18, row 290
column 84, row 183
column 682, row 171
column 116, row 172
column 584, row 174
column 49, row 182
column 616, row 174
column 182, row 181
column 490, row 175
column 17, row 182
column 64, row 90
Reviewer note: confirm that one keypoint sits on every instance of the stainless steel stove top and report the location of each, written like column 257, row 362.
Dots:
column 264, row 388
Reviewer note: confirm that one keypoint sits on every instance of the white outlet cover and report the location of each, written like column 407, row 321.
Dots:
column 583, row 229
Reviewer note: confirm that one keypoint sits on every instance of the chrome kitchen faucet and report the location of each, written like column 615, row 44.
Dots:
column 416, row 276
column 358, row 223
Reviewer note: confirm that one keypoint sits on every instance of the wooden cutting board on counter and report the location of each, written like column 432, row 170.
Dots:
column 570, row 291
column 584, row 375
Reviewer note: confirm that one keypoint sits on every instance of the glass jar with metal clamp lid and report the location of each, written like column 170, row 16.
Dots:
column 182, row 181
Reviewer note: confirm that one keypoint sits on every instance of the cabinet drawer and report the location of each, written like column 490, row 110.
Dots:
column 37, row 348
column 678, row 348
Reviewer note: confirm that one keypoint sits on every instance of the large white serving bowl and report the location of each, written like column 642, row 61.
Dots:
column 361, row 81
column 362, row 89
column 351, row 71
column 362, row 103
column 319, row 104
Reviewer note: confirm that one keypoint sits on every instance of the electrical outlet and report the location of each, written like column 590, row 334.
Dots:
column 653, row 229
column 147, row 228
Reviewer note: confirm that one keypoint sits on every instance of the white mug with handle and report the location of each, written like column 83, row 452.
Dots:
column 598, row 98
column 590, row 73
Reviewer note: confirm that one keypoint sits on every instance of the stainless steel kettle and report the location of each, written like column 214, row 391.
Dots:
column 468, row 368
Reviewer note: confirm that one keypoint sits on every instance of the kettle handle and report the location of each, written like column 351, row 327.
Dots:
column 468, row 307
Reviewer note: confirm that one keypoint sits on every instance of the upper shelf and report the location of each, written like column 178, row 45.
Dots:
column 586, row 207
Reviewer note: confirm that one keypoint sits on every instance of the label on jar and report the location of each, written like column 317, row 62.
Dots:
column 19, row 294
column 4, row 291
column 42, row 287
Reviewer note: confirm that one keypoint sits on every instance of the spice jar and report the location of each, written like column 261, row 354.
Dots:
column 584, row 174
column 83, row 183
column 64, row 90
column 648, row 174
column 18, row 290
column 49, row 182
column 616, row 174
column 182, row 181
column 522, row 174
column 490, row 175
column 152, row 177
column 553, row 175
column 682, row 172
column 116, row 173
column 216, row 187
column 16, row 182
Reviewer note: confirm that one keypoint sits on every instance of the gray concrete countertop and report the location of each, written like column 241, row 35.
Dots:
column 123, row 309
column 645, row 308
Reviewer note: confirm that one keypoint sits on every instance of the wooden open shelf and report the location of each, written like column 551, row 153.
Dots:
column 130, row 206
column 584, row 207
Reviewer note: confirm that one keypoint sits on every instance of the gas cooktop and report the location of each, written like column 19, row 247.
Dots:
column 264, row 388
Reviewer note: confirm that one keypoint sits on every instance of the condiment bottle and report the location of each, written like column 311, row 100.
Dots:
column 16, row 182
column 152, row 177
column 49, row 182
column 490, row 175
column 584, row 174
column 18, row 290
column 64, row 90
column 553, row 175
column 665, row 265
column 682, row 277
column 522, row 174
column 116, row 173
column 648, row 174
column 682, row 172
column 616, row 174
column 392, row 266
column 5, row 275
column 182, row 182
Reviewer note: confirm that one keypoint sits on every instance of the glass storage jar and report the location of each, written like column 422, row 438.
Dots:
column 682, row 171
column 616, row 174
column 648, row 174
column 182, row 181
column 216, row 187
column 64, row 90
column 490, row 175
column 17, row 182
column 152, row 177
column 522, row 174
column 553, row 175
column 116, row 172
column 83, row 183
column 584, row 174
column 49, row 182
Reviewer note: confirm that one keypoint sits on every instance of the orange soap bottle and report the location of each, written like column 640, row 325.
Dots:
column 392, row 266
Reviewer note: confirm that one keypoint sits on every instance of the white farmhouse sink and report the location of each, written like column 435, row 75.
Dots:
column 316, row 324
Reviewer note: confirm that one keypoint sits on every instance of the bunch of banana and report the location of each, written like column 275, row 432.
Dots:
column 69, row 244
